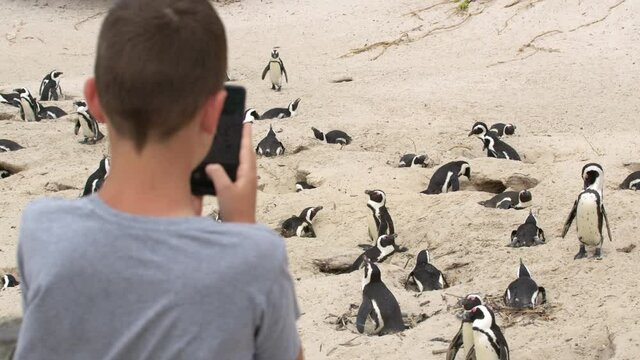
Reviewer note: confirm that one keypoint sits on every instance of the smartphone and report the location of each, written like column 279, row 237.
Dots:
column 225, row 149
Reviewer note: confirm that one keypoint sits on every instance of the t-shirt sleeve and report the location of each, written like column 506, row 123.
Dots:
column 277, row 336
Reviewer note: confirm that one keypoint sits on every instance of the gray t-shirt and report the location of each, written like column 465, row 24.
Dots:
column 101, row 284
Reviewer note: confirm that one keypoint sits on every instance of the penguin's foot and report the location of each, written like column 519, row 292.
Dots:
column 581, row 254
column 273, row 87
column 598, row 254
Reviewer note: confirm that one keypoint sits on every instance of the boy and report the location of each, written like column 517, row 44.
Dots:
column 134, row 272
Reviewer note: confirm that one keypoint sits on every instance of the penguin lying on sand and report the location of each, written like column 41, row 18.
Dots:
column 50, row 112
column 385, row 247
column 276, row 70
column 447, row 177
column 8, row 145
column 499, row 149
column 332, row 137
column 528, row 234
column 281, row 113
column 301, row 225
column 509, row 200
column 488, row 341
column 379, row 312
column 12, row 99
column 95, row 180
column 523, row 292
column 632, row 182
column 50, row 86
column 425, row 276
column 409, row 160
column 480, row 129
column 88, row 124
column 380, row 222
column 464, row 337
column 303, row 185
column 270, row 145
column 8, row 281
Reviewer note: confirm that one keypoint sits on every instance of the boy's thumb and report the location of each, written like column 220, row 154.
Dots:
column 218, row 175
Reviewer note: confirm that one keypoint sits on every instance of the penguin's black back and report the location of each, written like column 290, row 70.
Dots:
column 49, row 90
column 522, row 289
column 526, row 234
column 290, row 226
column 270, row 144
column 337, row 137
column 51, row 112
column 440, row 176
column 388, row 305
column 428, row 275
column 275, row 113
column 506, row 200
column 9, row 144
column 502, row 147
column 633, row 177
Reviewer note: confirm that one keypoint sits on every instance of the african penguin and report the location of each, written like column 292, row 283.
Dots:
column 50, row 86
column 8, row 145
column 528, row 234
column 276, row 70
column 301, row 226
column 379, row 312
column 499, row 149
column 12, row 99
column 303, row 185
column 479, row 129
column 447, row 177
column 29, row 107
column 8, row 281
column 425, row 276
column 488, row 341
column 501, row 129
column 523, row 292
column 464, row 337
column 385, row 247
column 250, row 116
column 95, row 180
column 409, row 160
column 270, row 145
column 281, row 113
column 509, row 200
column 51, row 112
column 88, row 124
column 332, row 137
column 380, row 222
column 632, row 182
column 589, row 212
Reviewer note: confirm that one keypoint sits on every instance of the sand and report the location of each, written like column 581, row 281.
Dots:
column 564, row 71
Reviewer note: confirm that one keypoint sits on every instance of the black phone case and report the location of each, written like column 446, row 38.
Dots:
column 225, row 149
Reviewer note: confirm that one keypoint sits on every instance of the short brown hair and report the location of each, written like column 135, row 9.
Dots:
column 157, row 62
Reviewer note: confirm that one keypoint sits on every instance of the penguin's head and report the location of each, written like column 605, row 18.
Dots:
column 80, row 105
column 525, row 197
column 384, row 241
column 470, row 301
column 420, row 160
column 23, row 92
column 465, row 170
column 318, row 134
column 591, row 174
column 275, row 54
column 293, row 106
column 371, row 273
column 509, row 129
column 250, row 116
column 523, row 270
column 531, row 219
column 9, row 280
column 423, row 257
column 479, row 129
column 482, row 317
column 4, row 174
column 309, row 213
column 377, row 198
column 56, row 75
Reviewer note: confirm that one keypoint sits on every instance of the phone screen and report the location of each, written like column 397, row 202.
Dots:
column 225, row 149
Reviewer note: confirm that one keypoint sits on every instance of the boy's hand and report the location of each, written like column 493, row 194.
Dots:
column 237, row 200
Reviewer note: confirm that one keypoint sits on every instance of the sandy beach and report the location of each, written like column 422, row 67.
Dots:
column 565, row 72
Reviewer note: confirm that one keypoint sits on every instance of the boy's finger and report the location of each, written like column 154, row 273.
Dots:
column 218, row 175
column 247, row 167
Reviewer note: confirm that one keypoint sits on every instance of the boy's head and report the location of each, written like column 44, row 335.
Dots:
column 158, row 64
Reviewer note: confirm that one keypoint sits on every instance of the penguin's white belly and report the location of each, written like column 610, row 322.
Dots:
column 445, row 186
column 482, row 345
column 29, row 115
column 587, row 221
column 373, row 229
column 467, row 338
column 86, row 128
column 275, row 73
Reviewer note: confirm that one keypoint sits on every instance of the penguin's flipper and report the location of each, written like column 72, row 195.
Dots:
column 455, row 183
column 542, row 296
column 455, row 345
column 42, row 85
column 406, row 283
column 471, row 355
column 77, row 127
column 356, row 264
column 572, row 216
column 363, row 313
column 284, row 71
column 541, row 239
column 265, row 71
column 606, row 222
column 514, row 238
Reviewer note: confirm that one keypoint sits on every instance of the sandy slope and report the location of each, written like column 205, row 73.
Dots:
column 572, row 93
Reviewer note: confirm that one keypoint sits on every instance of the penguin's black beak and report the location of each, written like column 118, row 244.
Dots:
column 470, row 133
column 318, row 208
column 368, row 192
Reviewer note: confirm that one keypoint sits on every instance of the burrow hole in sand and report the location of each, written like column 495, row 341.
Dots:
column 516, row 182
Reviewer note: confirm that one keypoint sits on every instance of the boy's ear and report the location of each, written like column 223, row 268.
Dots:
column 91, row 96
column 212, row 110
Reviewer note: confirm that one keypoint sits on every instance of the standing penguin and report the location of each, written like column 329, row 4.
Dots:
column 528, row 234
column 275, row 68
column 301, row 225
column 509, row 200
column 270, row 145
column 12, row 99
column 409, row 160
column 88, row 124
column 8, row 145
column 385, row 247
column 523, row 292
column 425, row 276
column 29, row 107
column 632, row 182
column 95, row 180
column 50, row 86
column 379, row 313
column 499, row 149
column 281, row 113
column 8, row 281
column 464, row 337
column 380, row 223
column 589, row 212
column 447, row 177
column 488, row 341
column 332, row 137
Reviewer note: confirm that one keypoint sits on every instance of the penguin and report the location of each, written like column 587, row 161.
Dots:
column 281, row 113
column 447, row 178
column 523, row 292
column 8, row 145
column 250, row 116
column 379, row 312
column 409, row 160
column 528, row 234
column 29, row 107
column 385, row 247
column 270, row 145
column 593, row 177
column 632, row 182
column 332, row 137
column 425, row 276
column 276, row 69
column 380, row 222
column 499, row 149
column 4, row 173
column 301, row 225
column 50, row 112
column 303, row 185
column 8, row 281
column 50, row 86
column 95, row 180
column 501, row 129
column 509, row 200
column 464, row 337
column 488, row 341
column 12, row 99
column 88, row 124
